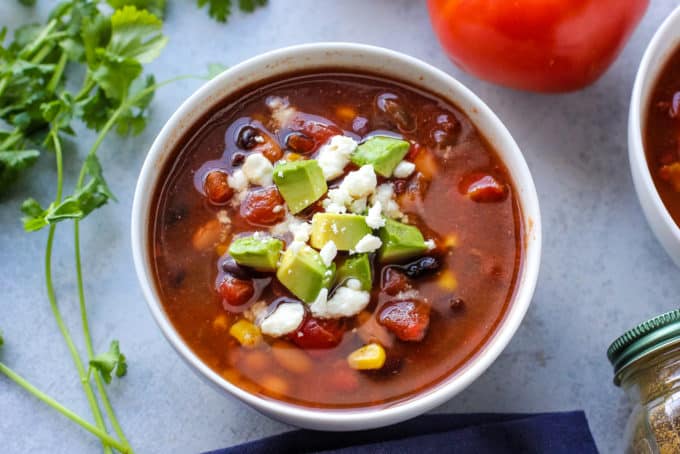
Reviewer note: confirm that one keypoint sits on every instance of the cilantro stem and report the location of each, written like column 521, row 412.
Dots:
column 58, row 71
column 11, row 139
column 40, row 56
column 51, row 295
column 88, row 338
column 37, row 42
column 107, row 439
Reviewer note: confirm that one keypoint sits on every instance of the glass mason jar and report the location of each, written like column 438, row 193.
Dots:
column 646, row 362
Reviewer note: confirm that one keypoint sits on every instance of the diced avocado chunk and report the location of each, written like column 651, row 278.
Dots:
column 260, row 253
column 301, row 183
column 345, row 230
column 400, row 242
column 356, row 267
column 384, row 153
column 303, row 273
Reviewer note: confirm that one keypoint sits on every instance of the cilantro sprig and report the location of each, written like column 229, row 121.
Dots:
column 80, row 41
column 38, row 111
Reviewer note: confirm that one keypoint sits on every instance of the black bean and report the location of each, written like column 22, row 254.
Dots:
column 230, row 266
column 177, row 277
column 248, row 138
column 422, row 266
column 237, row 159
column 392, row 106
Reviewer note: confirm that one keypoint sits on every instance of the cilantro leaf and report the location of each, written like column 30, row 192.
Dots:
column 136, row 34
column 110, row 362
column 220, row 10
column 249, row 6
column 27, row 2
column 12, row 162
column 155, row 7
column 2, row 341
column 82, row 202
column 133, row 120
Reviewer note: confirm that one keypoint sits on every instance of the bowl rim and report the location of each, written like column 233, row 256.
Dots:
column 361, row 417
column 642, row 176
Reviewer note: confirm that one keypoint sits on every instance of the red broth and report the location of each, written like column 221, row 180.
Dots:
column 662, row 136
column 460, row 196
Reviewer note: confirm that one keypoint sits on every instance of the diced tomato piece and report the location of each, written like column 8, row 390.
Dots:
column 236, row 291
column 318, row 334
column 482, row 187
column 263, row 206
column 315, row 130
column 217, row 188
column 393, row 281
column 407, row 319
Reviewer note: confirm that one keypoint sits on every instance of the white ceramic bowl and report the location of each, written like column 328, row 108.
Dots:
column 665, row 41
column 362, row 58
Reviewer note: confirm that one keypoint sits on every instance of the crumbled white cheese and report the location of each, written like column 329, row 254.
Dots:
column 238, row 181
column 282, row 113
column 404, row 169
column 347, row 301
column 430, row 244
column 278, row 209
column 334, row 156
column 358, row 206
column 296, row 246
column 360, row 183
column 301, row 231
column 328, row 253
column 407, row 294
column 337, row 200
column 353, row 192
column 223, row 217
column 258, row 169
column 385, row 195
column 374, row 217
column 368, row 243
column 285, row 319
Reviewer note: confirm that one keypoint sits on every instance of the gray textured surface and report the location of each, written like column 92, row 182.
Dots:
column 602, row 269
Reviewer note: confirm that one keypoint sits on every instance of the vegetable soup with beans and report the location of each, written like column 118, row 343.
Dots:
column 336, row 240
column 662, row 136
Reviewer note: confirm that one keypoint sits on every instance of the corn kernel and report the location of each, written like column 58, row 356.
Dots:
column 451, row 241
column 371, row 356
column 293, row 157
column 448, row 281
column 221, row 322
column 246, row 333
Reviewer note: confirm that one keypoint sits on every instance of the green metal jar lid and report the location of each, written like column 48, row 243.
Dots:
column 646, row 338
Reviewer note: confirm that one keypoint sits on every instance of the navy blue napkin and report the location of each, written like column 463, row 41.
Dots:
column 554, row 433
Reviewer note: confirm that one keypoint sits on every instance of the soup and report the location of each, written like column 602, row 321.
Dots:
column 335, row 240
column 662, row 136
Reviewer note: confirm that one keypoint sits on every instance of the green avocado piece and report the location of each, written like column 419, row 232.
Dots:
column 400, row 242
column 301, row 183
column 345, row 230
column 303, row 273
column 260, row 253
column 384, row 153
column 356, row 267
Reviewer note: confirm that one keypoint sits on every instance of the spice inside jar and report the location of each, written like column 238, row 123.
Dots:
column 646, row 362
